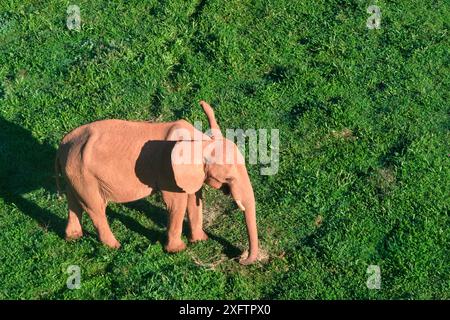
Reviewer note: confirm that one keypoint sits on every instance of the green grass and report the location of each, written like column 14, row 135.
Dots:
column 364, row 144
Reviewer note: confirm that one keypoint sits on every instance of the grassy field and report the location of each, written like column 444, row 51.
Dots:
column 364, row 145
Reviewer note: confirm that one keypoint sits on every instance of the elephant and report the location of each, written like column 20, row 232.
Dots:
column 122, row 161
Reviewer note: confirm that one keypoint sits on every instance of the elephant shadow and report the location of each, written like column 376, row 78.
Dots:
column 159, row 217
column 27, row 165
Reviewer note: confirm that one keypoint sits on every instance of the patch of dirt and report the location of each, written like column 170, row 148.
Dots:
column 345, row 133
column 384, row 179
column 263, row 255
column 209, row 265
column 386, row 176
column 318, row 221
column 215, row 204
column 211, row 212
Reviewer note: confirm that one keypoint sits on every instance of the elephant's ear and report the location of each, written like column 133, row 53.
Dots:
column 188, row 166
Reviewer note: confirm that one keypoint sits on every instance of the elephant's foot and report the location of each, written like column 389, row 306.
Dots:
column 198, row 236
column 111, row 242
column 175, row 246
column 73, row 234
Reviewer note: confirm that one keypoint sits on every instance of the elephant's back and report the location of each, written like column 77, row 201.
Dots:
column 102, row 141
column 107, row 126
column 107, row 150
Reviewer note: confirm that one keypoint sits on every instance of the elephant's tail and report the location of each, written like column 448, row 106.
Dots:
column 57, row 175
column 215, row 130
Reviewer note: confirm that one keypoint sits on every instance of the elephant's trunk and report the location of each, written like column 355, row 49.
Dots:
column 245, row 199
column 250, row 219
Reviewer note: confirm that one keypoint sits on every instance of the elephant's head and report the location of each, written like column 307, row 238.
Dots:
column 220, row 164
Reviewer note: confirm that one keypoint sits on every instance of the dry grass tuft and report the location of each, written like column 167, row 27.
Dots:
column 318, row 221
column 209, row 265
column 345, row 133
column 263, row 255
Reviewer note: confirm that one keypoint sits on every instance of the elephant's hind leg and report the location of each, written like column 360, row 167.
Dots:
column 95, row 206
column 97, row 213
column 73, row 228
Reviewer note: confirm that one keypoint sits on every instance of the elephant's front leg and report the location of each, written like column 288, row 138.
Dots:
column 195, row 216
column 176, row 205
